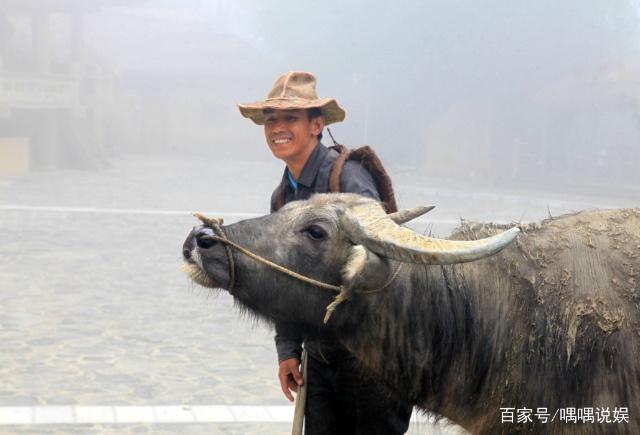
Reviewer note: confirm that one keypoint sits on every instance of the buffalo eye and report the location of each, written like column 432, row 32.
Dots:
column 314, row 232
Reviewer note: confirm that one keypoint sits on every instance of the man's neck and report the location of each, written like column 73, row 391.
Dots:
column 296, row 165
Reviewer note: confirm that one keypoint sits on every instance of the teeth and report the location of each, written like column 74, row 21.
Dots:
column 279, row 141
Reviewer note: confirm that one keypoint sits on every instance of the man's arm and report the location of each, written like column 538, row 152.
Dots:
column 289, row 348
column 288, row 342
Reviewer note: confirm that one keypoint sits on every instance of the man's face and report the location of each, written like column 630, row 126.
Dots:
column 291, row 134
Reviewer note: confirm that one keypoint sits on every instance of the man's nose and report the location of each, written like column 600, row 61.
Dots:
column 201, row 237
column 279, row 125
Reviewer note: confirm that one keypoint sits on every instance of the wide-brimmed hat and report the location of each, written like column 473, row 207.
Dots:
column 294, row 90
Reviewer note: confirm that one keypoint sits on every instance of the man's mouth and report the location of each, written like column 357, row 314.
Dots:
column 281, row 141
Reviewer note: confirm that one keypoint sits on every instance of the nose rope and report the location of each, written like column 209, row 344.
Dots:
column 343, row 291
column 232, row 267
column 275, row 266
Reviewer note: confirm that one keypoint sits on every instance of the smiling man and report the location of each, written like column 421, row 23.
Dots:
column 292, row 135
column 340, row 399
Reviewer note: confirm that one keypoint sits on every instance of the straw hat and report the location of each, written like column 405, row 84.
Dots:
column 294, row 90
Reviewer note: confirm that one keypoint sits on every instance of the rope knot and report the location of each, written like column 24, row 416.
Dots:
column 209, row 221
column 344, row 295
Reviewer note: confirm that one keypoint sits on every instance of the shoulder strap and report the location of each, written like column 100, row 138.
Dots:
column 337, row 167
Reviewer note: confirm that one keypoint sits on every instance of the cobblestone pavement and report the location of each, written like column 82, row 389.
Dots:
column 155, row 429
column 94, row 309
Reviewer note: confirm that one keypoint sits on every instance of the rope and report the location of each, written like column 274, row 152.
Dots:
column 366, row 292
column 342, row 297
column 215, row 224
column 232, row 267
column 344, row 293
column 277, row 266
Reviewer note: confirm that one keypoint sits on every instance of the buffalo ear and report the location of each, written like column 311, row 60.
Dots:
column 355, row 264
column 360, row 264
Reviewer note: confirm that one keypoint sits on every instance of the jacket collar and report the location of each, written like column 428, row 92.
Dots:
column 311, row 167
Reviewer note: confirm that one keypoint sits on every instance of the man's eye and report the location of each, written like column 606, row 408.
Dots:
column 291, row 119
column 314, row 232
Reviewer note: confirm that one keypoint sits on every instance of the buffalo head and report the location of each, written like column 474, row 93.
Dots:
column 343, row 240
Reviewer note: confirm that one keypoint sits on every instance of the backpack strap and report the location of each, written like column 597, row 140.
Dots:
column 337, row 167
column 368, row 158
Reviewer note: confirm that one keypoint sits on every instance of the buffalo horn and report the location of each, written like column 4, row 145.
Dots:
column 408, row 214
column 367, row 224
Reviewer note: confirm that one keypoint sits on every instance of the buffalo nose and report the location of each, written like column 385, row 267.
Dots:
column 204, row 238
column 199, row 237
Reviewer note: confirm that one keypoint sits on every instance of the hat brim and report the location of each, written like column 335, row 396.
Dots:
column 331, row 110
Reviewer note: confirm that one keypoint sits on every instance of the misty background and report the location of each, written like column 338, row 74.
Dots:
column 118, row 118
column 544, row 93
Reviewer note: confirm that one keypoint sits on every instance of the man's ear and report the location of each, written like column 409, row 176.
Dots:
column 362, row 269
column 317, row 125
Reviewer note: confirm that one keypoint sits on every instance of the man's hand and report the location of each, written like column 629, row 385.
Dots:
column 290, row 377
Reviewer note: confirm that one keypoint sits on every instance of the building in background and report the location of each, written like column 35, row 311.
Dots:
column 180, row 68
column 81, row 81
column 54, row 101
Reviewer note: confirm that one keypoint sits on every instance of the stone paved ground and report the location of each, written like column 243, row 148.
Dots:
column 155, row 429
column 100, row 304
column 94, row 309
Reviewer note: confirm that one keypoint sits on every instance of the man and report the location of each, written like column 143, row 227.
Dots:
column 340, row 399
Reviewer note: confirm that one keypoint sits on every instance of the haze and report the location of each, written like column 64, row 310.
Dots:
column 118, row 118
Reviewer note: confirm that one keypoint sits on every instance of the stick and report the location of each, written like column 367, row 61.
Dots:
column 301, row 399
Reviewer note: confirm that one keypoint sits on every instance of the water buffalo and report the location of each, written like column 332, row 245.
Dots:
column 545, row 334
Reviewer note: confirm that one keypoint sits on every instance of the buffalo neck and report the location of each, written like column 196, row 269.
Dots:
column 430, row 336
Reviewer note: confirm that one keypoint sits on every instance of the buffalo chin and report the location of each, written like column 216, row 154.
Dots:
column 198, row 275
